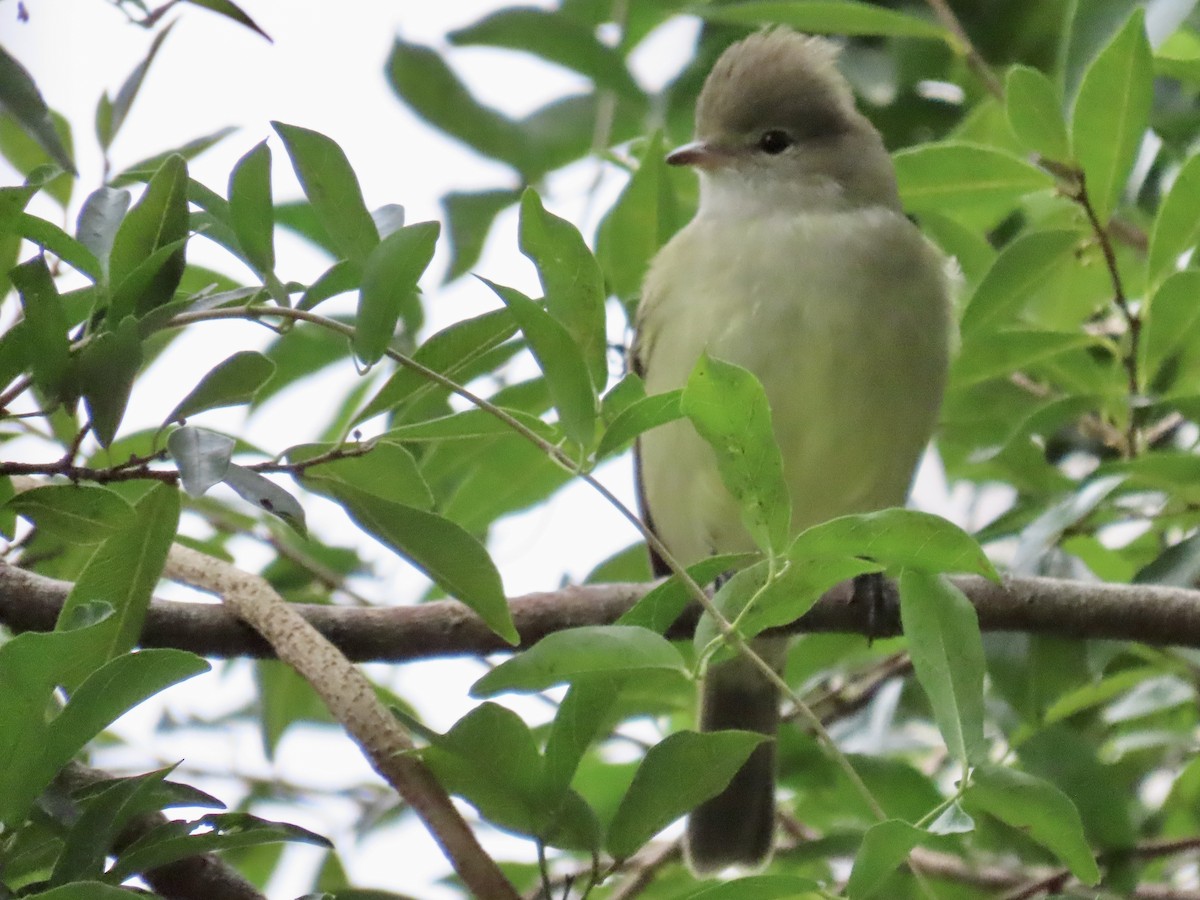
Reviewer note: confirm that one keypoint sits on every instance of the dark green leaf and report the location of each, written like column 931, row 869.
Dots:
column 947, row 654
column 50, row 237
column 758, row 887
column 251, row 208
column 1177, row 225
column 85, row 514
column 111, row 116
column 885, row 846
column 561, row 361
column 202, row 456
column 571, row 281
column 1111, row 112
column 99, row 218
column 1034, row 111
column 158, row 221
column 389, row 288
column 44, row 331
column 332, row 188
column 106, row 369
column 21, row 98
column 676, row 775
column 729, row 409
column 563, row 656
column 233, row 381
column 469, row 218
column 343, row 276
column 230, row 11
column 1038, row 809
column 826, row 17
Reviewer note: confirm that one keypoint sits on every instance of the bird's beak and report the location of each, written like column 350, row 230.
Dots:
column 700, row 154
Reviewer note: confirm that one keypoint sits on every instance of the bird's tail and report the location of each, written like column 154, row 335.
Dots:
column 737, row 826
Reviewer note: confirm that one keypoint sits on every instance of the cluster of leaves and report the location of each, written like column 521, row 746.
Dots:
column 1063, row 188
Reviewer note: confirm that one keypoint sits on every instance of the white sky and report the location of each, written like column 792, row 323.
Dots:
column 324, row 71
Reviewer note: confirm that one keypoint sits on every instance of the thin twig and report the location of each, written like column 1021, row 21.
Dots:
column 974, row 58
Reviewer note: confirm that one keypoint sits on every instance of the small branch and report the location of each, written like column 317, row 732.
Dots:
column 974, row 58
column 351, row 698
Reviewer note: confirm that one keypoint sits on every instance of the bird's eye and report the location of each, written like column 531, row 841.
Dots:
column 774, row 142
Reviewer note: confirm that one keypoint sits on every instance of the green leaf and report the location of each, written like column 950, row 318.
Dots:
column 563, row 656
column 571, row 280
column 676, row 775
column 441, row 549
column 947, row 654
column 423, row 81
column 99, row 218
column 826, row 17
column 233, row 381
column 1111, row 113
column 387, row 470
column 469, row 217
column 556, row 38
column 106, row 369
column 1040, row 810
column 561, row 361
column 265, row 494
column 1000, row 353
column 970, row 248
column 111, row 114
column 44, row 331
column 1017, row 272
column 884, row 847
column 176, row 840
column 81, row 513
column 467, row 424
column 1170, row 324
column 49, row 236
column 729, row 409
column 950, row 176
column 230, row 11
column 343, row 276
column 251, row 208
column 202, row 456
column 1034, row 110
column 661, row 606
column 144, row 169
column 1177, row 225
column 639, row 222
column 85, row 890
column 332, row 188
column 123, row 573
column 158, row 221
column 20, row 97
column 640, row 416
column 389, row 288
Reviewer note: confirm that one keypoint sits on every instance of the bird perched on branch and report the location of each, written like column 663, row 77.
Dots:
column 801, row 267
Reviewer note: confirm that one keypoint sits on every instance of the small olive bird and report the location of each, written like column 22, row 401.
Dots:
column 801, row 267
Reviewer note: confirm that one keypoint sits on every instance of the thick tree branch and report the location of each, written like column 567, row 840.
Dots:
column 1073, row 609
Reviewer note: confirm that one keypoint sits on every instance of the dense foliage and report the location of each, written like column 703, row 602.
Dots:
column 1048, row 145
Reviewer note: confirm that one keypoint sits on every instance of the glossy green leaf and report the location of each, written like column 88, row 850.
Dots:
column 1034, row 111
column 571, row 280
column 20, row 97
column 105, row 373
column 251, row 208
column 1017, row 272
column 99, row 218
column 1040, row 810
column 158, row 221
column 1177, row 225
column 562, row 656
column 1170, row 324
column 469, row 217
column 676, row 775
column 884, row 847
column 111, row 114
column 333, row 190
column 554, row 37
column 561, row 361
column 266, row 495
column 729, row 409
column 44, row 331
column 233, row 381
column 947, row 653
column 389, row 288
column 387, row 470
column 950, row 176
column 826, row 17
column 202, row 456
column 443, row 550
column 82, row 513
column 1111, row 113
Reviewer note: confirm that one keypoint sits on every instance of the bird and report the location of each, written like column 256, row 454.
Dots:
column 800, row 266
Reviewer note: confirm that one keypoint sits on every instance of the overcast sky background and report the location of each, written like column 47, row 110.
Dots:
column 325, row 71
